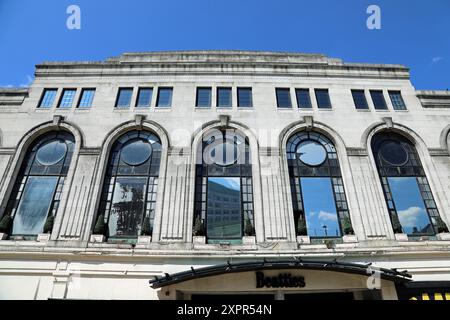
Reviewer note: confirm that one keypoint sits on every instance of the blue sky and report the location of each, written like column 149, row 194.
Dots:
column 414, row 33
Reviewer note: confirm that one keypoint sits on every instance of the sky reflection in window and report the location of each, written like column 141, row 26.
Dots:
column 409, row 205
column 320, row 208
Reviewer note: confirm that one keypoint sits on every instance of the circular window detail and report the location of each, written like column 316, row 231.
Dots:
column 311, row 153
column 394, row 153
column 225, row 154
column 136, row 152
column 51, row 152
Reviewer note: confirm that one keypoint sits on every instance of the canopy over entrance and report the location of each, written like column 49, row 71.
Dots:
column 297, row 264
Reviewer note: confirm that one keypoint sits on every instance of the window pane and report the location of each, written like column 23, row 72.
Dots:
column 360, row 99
column 410, row 206
column 224, row 97
column 204, row 97
column 87, row 97
column 303, row 98
column 164, row 97
column 320, row 207
column 124, row 98
column 67, row 98
column 48, row 98
column 283, row 98
column 397, row 100
column 127, row 207
column 323, row 98
column 378, row 99
column 245, row 97
column 224, row 219
column 144, row 97
column 34, row 205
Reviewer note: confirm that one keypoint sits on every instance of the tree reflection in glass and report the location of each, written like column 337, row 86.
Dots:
column 320, row 207
column 409, row 205
column 34, row 206
column 224, row 220
column 127, row 207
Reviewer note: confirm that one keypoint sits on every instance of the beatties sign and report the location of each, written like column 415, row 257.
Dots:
column 283, row 280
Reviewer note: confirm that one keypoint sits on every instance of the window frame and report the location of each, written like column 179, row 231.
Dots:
column 250, row 90
column 306, row 90
column 372, row 92
column 41, row 100
column 80, row 99
column 121, row 89
column 365, row 102
column 61, row 98
column 140, row 89
column 158, row 106
column 283, row 91
column 230, row 90
column 209, row 89
column 327, row 91
column 394, row 101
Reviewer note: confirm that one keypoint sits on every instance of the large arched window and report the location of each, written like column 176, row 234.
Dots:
column 408, row 195
column 224, row 187
column 37, row 192
column 320, row 205
column 128, row 202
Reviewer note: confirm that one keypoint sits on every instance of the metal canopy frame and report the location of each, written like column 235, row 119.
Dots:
column 344, row 267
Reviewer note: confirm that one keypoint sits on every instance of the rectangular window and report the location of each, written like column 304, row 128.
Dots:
column 224, row 97
column 144, row 98
column 86, row 98
column 203, row 97
column 323, row 99
column 378, row 99
column 224, row 219
column 410, row 206
column 320, row 207
column 48, row 97
column 397, row 100
column 67, row 98
column 359, row 97
column 34, row 206
column 164, row 97
column 245, row 97
column 124, row 97
column 283, row 98
column 303, row 98
column 127, row 207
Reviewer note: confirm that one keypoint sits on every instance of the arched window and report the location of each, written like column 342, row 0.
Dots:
column 128, row 202
column 224, row 187
column 37, row 191
column 320, row 205
column 411, row 205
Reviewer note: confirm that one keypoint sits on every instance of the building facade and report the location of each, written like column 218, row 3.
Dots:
column 199, row 174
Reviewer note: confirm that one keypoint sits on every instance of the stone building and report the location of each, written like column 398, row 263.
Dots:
column 190, row 175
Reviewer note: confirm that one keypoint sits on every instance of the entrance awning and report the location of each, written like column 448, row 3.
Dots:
column 298, row 264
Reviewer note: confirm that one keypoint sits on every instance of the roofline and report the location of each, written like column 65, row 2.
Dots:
column 299, row 264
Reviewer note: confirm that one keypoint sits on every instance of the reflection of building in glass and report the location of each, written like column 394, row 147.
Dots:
column 224, row 211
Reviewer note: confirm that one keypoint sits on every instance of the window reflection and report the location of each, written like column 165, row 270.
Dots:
column 410, row 206
column 34, row 206
column 128, row 201
column 320, row 208
column 37, row 191
column 127, row 207
column 224, row 208
column 311, row 153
